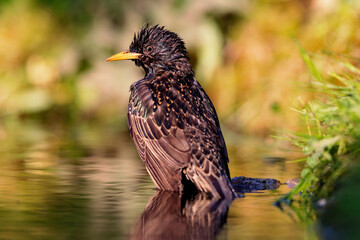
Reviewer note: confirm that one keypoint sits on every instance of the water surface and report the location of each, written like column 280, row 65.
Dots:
column 84, row 182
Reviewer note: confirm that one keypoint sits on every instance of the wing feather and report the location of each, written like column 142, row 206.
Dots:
column 164, row 151
column 178, row 131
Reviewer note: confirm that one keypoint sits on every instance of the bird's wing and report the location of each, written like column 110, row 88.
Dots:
column 174, row 129
column 161, row 143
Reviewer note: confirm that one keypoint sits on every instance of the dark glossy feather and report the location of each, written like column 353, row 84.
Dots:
column 172, row 120
column 182, row 134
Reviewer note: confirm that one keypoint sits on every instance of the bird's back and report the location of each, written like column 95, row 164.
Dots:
column 177, row 133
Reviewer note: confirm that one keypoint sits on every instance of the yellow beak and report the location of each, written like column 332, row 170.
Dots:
column 124, row 56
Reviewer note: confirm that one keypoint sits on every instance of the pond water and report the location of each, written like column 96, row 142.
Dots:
column 84, row 182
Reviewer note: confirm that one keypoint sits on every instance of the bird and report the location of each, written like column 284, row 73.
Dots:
column 172, row 120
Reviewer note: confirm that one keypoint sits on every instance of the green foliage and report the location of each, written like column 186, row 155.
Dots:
column 332, row 122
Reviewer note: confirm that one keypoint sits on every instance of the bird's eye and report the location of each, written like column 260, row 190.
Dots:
column 149, row 49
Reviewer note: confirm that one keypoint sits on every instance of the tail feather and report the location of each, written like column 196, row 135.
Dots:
column 216, row 183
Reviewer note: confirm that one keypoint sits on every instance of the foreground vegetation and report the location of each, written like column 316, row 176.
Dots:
column 331, row 145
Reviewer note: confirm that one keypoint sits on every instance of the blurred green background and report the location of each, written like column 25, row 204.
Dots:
column 52, row 56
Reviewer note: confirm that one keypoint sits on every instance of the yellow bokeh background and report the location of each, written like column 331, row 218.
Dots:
column 244, row 54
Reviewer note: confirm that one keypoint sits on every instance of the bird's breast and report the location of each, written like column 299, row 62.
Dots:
column 141, row 101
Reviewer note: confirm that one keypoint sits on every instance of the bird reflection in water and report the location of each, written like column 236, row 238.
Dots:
column 170, row 215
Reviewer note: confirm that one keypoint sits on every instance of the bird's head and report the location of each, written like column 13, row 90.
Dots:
column 155, row 48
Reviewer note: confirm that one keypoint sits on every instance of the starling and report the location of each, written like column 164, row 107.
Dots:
column 172, row 120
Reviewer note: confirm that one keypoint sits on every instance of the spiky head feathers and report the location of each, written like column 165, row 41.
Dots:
column 160, row 48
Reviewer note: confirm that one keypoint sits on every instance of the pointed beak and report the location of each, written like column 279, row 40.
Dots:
column 124, row 56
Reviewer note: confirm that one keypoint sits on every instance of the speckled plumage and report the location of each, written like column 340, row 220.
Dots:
column 172, row 120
